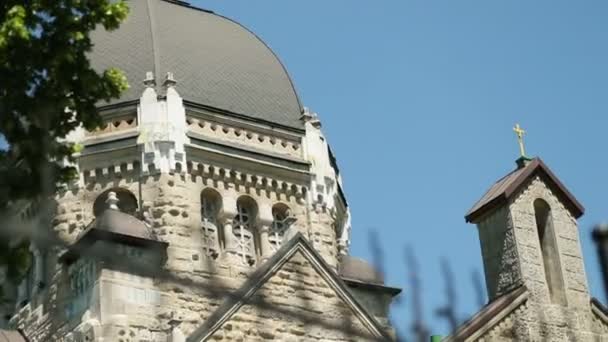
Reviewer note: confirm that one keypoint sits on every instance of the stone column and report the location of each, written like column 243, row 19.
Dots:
column 226, row 220
column 264, row 222
column 265, row 243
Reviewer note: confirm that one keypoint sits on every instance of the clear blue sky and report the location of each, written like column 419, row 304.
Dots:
column 418, row 99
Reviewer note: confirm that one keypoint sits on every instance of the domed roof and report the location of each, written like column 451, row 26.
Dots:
column 118, row 222
column 358, row 269
column 216, row 62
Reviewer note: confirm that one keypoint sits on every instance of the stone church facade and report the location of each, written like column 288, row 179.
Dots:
column 209, row 206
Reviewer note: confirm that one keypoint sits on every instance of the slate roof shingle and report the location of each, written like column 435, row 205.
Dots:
column 216, row 62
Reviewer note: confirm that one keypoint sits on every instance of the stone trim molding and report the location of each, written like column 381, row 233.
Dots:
column 240, row 298
column 112, row 125
column 119, row 168
column 257, row 138
column 257, row 181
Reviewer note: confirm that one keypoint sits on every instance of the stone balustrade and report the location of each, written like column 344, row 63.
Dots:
column 247, row 137
column 116, row 124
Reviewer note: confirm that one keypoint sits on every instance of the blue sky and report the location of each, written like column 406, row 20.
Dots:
column 418, row 99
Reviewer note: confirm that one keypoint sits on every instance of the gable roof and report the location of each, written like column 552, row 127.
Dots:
column 490, row 315
column 507, row 186
column 256, row 280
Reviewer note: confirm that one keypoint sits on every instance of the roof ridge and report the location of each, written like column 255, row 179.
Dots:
column 502, row 190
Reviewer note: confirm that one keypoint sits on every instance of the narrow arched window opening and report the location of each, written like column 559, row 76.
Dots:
column 210, row 208
column 243, row 229
column 549, row 252
column 127, row 202
column 282, row 220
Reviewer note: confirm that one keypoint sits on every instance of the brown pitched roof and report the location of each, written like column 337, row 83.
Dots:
column 491, row 314
column 505, row 187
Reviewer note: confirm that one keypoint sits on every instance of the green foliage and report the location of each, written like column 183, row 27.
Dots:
column 18, row 260
column 48, row 88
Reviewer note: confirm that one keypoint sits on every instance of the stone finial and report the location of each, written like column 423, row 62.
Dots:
column 112, row 201
column 169, row 80
column 149, row 81
column 312, row 117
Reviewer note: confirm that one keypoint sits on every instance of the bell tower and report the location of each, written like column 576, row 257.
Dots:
column 528, row 231
column 529, row 236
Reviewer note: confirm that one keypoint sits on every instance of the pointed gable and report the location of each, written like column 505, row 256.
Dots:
column 490, row 316
column 507, row 186
column 294, row 295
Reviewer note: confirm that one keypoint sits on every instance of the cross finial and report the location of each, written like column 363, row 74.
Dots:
column 520, row 138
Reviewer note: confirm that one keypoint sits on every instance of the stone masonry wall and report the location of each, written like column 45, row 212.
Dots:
column 499, row 253
column 136, row 308
column 543, row 318
column 309, row 311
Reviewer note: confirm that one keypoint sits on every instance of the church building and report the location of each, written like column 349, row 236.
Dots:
column 533, row 262
column 209, row 206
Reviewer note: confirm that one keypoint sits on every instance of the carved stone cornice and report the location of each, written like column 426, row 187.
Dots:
column 263, row 139
column 252, row 179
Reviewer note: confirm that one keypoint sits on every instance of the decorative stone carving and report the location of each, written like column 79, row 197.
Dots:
column 162, row 128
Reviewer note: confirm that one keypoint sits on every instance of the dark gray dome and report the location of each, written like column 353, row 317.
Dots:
column 215, row 61
column 118, row 222
column 359, row 269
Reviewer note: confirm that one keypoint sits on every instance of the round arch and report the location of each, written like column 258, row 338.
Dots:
column 127, row 202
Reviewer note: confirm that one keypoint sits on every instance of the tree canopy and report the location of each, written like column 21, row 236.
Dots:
column 48, row 88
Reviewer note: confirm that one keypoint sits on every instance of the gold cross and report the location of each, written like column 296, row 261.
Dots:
column 520, row 138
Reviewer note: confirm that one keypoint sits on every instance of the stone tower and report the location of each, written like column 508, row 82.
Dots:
column 533, row 263
column 209, row 205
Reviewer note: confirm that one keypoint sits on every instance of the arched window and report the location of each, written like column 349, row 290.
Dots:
column 550, row 255
column 34, row 261
column 211, row 202
column 127, row 202
column 244, row 230
column 281, row 221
